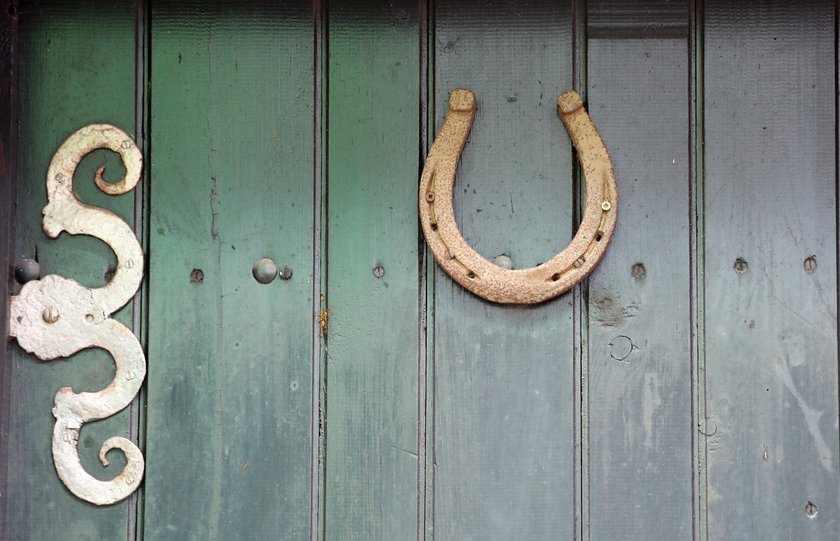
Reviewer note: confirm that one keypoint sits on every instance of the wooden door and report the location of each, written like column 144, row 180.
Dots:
column 687, row 390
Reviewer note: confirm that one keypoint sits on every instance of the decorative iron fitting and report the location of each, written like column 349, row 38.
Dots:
column 56, row 317
column 493, row 280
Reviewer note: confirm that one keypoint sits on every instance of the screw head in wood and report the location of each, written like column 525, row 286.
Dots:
column 285, row 272
column 50, row 314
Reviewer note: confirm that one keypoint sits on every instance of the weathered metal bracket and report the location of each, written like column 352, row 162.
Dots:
column 56, row 317
column 468, row 267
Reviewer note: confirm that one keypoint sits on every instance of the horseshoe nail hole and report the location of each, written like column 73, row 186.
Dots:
column 471, row 275
column 598, row 236
column 434, row 226
column 555, row 276
column 197, row 276
column 430, row 196
column 811, row 510
column 741, row 266
column 89, row 318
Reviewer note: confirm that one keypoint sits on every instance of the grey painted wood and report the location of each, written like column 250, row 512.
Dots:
column 503, row 405
column 639, row 370
column 771, row 324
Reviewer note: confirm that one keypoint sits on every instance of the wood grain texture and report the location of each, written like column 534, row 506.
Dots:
column 8, row 173
column 639, row 370
column 76, row 67
column 771, row 319
column 372, row 271
column 503, row 445
column 229, row 385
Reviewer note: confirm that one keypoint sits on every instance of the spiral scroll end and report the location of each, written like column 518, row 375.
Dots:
column 112, row 188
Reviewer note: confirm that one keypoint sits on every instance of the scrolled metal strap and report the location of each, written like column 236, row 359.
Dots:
column 55, row 317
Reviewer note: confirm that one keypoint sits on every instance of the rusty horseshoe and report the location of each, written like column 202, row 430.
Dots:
column 468, row 267
column 56, row 317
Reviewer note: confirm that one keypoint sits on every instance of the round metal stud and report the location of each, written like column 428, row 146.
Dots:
column 504, row 261
column 265, row 270
column 27, row 270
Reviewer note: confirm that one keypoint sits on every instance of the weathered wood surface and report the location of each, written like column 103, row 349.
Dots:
column 503, row 446
column 770, row 317
column 489, row 390
column 372, row 160
column 8, row 175
column 76, row 67
column 228, row 425
column 639, row 363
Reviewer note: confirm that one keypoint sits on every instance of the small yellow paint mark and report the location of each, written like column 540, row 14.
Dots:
column 323, row 320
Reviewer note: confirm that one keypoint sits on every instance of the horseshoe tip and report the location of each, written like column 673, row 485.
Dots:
column 569, row 102
column 462, row 100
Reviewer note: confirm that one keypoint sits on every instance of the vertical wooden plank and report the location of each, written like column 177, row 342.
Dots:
column 8, row 175
column 770, row 273
column 640, row 445
column 504, row 401
column 77, row 67
column 372, row 270
column 229, row 388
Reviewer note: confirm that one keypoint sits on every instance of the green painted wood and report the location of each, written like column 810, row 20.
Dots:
column 76, row 67
column 230, row 359
column 503, row 407
column 771, row 324
column 639, row 370
column 372, row 265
